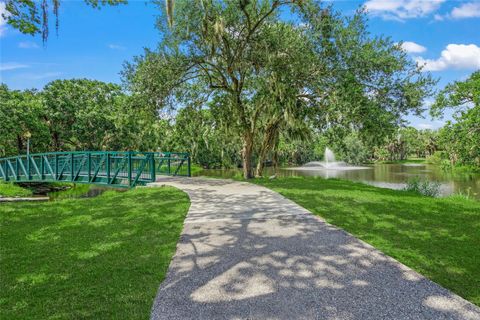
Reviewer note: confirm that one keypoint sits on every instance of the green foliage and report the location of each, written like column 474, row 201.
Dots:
column 461, row 138
column 438, row 157
column 8, row 189
column 21, row 114
column 405, row 142
column 423, row 187
column 354, row 151
column 80, row 113
column 437, row 237
column 97, row 258
column 459, row 95
column 210, row 145
column 273, row 82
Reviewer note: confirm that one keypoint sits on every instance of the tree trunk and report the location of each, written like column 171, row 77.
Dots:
column 275, row 161
column 269, row 140
column 56, row 141
column 19, row 144
column 261, row 163
column 247, row 154
column 262, row 155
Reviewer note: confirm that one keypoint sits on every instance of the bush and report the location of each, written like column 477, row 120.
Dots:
column 438, row 157
column 354, row 151
column 423, row 187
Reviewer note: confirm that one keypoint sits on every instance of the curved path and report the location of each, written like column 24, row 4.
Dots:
column 246, row 252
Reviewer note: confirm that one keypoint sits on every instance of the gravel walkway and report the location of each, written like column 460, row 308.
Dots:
column 246, row 252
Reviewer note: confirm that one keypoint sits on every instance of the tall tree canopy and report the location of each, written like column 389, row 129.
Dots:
column 459, row 95
column 21, row 117
column 263, row 75
column 461, row 138
column 79, row 113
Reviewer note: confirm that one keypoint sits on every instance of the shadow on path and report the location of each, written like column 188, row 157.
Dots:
column 248, row 253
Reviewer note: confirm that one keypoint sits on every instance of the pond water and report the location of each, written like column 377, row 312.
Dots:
column 392, row 176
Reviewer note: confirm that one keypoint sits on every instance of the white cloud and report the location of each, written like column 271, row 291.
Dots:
column 114, row 46
column 455, row 56
column 466, row 10
column 413, row 47
column 3, row 22
column 6, row 66
column 27, row 45
column 402, row 9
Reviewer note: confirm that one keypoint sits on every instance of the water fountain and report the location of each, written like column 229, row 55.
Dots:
column 329, row 163
column 329, row 157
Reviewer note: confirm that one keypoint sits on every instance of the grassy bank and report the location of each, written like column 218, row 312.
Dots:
column 409, row 160
column 438, row 237
column 97, row 258
column 8, row 189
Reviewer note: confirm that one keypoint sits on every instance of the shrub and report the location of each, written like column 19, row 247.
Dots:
column 354, row 151
column 423, row 187
column 438, row 157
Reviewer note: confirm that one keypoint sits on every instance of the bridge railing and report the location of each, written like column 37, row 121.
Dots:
column 116, row 168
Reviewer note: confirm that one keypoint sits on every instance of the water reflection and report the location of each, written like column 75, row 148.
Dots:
column 392, row 176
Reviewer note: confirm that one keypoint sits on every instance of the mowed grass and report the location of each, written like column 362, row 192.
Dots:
column 437, row 237
column 97, row 258
column 8, row 189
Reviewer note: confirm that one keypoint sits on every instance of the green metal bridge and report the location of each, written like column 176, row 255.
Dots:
column 114, row 168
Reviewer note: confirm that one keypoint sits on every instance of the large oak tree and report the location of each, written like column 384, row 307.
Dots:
column 272, row 74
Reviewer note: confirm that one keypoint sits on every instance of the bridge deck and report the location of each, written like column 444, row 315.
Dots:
column 116, row 168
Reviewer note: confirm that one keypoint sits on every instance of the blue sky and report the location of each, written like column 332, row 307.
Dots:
column 444, row 35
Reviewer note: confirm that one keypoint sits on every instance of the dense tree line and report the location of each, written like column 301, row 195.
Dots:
column 82, row 114
column 236, row 85
column 456, row 143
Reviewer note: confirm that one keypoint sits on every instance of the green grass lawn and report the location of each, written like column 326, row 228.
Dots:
column 438, row 237
column 8, row 189
column 96, row 258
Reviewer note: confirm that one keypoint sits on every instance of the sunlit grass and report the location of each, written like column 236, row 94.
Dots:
column 98, row 258
column 8, row 189
column 438, row 237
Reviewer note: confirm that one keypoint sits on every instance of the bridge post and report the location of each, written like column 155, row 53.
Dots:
column 17, row 177
column 42, row 168
column 89, row 166
column 152, row 167
column 29, row 177
column 72, row 166
column 56, row 166
column 6, row 171
column 108, row 167
column 129, row 169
